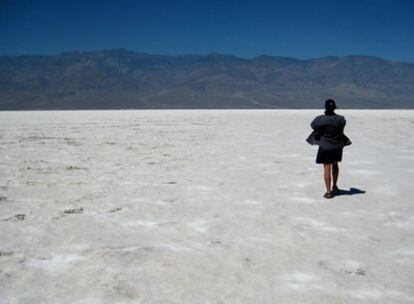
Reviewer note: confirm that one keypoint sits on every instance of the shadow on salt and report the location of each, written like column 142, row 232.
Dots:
column 351, row 191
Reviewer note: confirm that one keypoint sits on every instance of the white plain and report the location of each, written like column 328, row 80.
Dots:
column 203, row 206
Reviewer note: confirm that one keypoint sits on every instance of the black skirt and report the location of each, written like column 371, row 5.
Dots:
column 328, row 156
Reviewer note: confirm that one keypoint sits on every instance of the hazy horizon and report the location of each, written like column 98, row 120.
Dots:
column 200, row 54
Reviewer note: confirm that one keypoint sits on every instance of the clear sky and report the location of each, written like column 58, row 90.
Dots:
column 301, row 29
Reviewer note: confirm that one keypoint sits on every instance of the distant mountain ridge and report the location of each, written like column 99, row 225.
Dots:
column 122, row 79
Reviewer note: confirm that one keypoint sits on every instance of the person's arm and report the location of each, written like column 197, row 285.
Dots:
column 343, row 121
column 315, row 124
column 342, row 124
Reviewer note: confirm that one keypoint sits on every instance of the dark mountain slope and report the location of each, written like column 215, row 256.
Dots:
column 116, row 79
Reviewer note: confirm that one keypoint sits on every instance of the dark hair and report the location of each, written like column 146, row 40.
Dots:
column 330, row 107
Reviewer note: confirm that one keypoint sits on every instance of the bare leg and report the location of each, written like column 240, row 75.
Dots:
column 327, row 176
column 335, row 173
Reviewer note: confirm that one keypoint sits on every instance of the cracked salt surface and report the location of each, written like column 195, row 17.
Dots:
column 404, row 256
column 303, row 199
column 315, row 224
column 54, row 262
column 378, row 295
column 202, row 207
column 301, row 281
column 199, row 225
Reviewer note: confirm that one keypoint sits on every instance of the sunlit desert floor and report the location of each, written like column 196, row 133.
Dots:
column 203, row 207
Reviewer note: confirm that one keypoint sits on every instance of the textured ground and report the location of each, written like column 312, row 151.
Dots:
column 203, row 207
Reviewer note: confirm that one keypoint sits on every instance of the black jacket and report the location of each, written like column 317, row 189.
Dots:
column 329, row 132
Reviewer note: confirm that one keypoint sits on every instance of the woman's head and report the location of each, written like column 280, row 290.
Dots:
column 330, row 106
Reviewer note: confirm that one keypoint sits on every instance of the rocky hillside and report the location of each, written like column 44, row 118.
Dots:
column 121, row 79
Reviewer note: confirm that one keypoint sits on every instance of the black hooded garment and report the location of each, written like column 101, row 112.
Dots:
column 329, row 132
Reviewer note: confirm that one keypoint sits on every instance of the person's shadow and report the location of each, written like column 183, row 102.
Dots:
column 351, row 191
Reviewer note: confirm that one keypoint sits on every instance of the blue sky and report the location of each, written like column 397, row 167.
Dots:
column 301, row 29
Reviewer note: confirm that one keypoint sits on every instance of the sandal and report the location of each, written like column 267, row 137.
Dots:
column 335, row 189
column 328, row 195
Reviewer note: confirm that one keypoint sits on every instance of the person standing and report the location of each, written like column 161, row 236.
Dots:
column 328, row 133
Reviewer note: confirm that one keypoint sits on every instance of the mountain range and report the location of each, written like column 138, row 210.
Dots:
column 122, row 79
